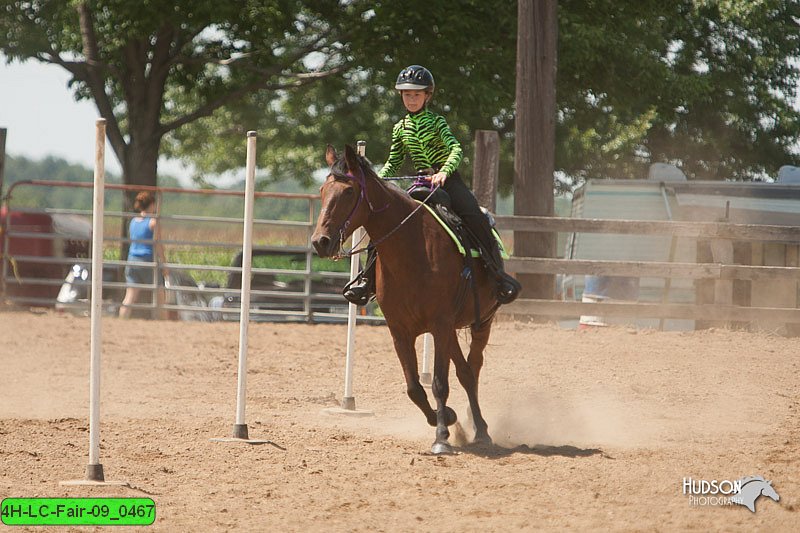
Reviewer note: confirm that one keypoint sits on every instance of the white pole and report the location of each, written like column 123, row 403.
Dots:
column 94, row 470
column 349, row 401
column 426, row 377
column 240, row 428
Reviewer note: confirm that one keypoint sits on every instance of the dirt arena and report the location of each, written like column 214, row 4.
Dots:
column 593, row 430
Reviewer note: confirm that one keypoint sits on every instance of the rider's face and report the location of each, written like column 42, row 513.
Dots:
column 414, row 100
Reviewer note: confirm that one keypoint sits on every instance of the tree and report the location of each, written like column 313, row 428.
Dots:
column 153, row 67
column 706, row 85
column 472, row 66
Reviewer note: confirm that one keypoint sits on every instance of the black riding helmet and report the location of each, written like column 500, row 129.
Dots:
column 414, row 77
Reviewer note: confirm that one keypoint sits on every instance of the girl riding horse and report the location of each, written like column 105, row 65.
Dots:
column 420, row 283
column 427, row 139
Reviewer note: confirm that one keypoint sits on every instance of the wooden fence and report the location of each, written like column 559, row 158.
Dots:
column 718, row 236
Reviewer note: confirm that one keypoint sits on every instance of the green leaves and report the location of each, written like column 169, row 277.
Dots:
column 706, row 84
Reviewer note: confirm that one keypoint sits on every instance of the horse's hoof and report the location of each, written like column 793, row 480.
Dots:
column 442, row 448
column 482, row 438
column 452, row 417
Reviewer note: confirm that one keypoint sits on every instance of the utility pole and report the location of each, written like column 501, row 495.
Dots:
column 486, row 168
column 535, row 129
column 3, row 133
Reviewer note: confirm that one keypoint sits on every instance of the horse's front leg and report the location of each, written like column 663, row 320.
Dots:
column 445, row 416
column 407, row 354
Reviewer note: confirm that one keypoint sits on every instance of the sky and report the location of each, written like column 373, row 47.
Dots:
column 43, row 118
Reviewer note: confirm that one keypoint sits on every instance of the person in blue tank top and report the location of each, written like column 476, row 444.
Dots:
column 141, row 231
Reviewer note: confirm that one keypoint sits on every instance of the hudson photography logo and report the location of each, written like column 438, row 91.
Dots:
column 744, row 491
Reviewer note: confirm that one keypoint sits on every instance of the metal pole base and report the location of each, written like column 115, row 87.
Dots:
column 95, row 473
column 240, row 431
column 240, row 434
column 348, row 408
column 95, row 477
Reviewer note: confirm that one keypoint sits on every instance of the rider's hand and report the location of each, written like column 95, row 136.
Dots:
column 438, row 179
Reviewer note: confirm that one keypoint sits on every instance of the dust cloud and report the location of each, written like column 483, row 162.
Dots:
column 595, row 418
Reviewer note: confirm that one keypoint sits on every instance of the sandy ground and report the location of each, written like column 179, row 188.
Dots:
column 593, row 430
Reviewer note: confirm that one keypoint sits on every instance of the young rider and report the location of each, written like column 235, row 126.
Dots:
column 427, row 139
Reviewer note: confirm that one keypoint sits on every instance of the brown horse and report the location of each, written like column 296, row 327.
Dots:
column 419, row 284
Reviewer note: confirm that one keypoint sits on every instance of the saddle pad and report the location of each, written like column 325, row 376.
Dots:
column 455, row 238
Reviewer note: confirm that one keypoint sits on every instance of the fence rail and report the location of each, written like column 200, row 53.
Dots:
column 709, row 312
column 29, row 275
column 722, row 273
column 649, row 269
column 707, row 230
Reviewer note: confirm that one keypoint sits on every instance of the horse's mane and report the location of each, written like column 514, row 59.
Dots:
column 749, row 479
column 339, row 168
column 339, row 171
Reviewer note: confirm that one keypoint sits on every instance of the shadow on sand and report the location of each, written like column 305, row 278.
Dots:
column 493, row 451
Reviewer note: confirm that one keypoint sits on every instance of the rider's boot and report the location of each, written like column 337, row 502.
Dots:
column 508, row 288
column 362, row 288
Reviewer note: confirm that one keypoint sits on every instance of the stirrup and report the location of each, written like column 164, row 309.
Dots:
column 508, row 288
column 357, row 291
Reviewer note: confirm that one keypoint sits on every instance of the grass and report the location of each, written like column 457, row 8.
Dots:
column 223, row 257
column 194, row 248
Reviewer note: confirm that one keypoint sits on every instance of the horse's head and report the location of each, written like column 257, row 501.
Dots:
column 344, row 201
column 769, row 492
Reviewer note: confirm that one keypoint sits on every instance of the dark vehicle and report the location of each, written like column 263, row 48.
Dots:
column 180, row 289
column 282, row 296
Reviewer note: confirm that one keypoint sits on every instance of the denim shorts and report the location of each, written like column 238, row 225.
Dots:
column 139, row 274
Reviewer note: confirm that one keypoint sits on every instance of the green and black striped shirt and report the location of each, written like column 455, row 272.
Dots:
column 426, row 137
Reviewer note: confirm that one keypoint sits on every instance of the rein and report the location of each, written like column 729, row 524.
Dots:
column 399, row 178
column 342, row 253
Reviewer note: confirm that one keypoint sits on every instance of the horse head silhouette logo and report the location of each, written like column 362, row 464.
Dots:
column 752, row 488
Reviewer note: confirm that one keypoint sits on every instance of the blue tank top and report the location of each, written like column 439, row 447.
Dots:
column 140, row 231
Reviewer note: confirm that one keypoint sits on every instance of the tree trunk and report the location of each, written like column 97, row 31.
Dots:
column 140, row 166
column 534, row 157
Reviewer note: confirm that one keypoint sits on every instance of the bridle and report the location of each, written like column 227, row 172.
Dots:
column 363, row 196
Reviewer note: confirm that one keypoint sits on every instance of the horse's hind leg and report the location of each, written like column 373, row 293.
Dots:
column 468, row 376
column 480, row 338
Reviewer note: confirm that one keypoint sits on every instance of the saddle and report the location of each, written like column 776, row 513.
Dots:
column 438, row 204
column 440, row 207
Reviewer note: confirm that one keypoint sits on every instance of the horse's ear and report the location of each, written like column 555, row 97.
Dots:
column 351, row 158
column 330, row 155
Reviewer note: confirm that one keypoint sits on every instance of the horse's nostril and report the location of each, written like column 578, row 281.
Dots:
column 321, row 245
